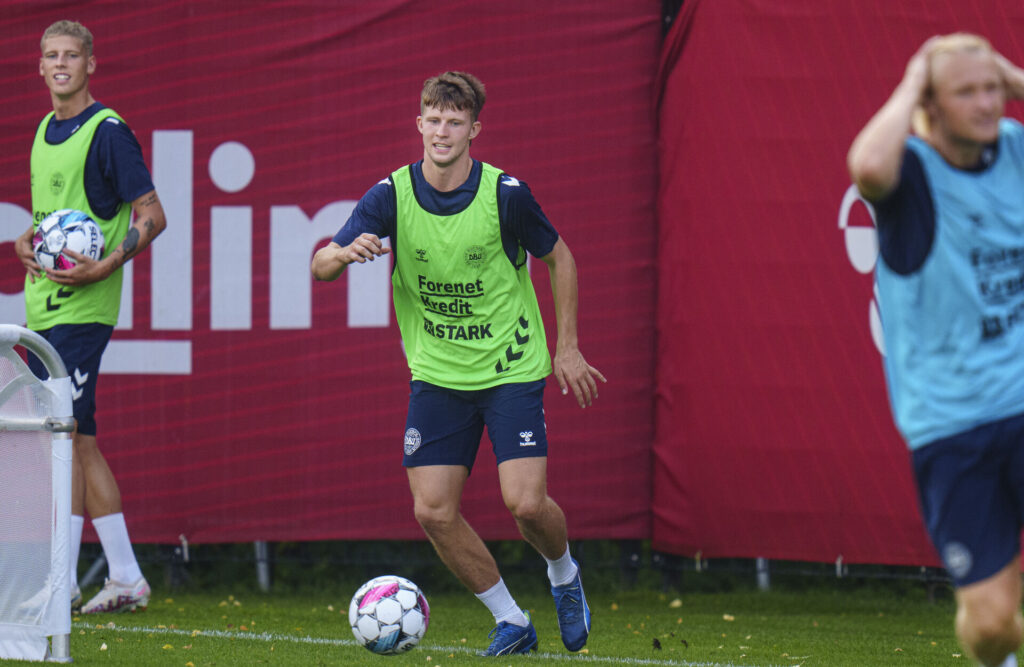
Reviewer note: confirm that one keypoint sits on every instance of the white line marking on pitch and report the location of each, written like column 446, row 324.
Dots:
column 271, row 636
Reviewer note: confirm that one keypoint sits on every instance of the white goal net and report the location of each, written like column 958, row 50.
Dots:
column 35, row 502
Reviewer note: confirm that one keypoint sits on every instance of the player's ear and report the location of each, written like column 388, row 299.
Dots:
column 475, row 129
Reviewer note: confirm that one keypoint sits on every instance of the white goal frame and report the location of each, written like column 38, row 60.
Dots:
column 46, row 636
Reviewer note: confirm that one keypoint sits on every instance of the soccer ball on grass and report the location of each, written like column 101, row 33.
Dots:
column 62, row 230
column 389, row 615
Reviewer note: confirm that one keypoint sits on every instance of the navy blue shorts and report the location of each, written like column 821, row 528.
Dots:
column 80, row 347
column 971, row 491
column 444, row 426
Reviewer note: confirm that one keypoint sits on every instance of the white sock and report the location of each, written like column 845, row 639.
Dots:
column 563, row 570
column 117, row 548
column 500, row 602
column 77, row 525
column 1011, row 661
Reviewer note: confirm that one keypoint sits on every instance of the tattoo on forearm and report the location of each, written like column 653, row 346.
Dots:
column 130, row 243
column 149, row 225
column 150, row 200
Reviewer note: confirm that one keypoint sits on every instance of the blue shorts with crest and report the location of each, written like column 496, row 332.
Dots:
column 971, row 492
column 444, row 426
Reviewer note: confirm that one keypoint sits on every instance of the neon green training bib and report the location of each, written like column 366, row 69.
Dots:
column 58, row 183
column 469, row 318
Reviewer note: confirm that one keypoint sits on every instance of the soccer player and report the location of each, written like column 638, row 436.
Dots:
column 84, row 157
column 460, row 230
column 949, row 205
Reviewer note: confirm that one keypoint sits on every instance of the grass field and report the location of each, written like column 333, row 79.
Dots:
column 829, row 625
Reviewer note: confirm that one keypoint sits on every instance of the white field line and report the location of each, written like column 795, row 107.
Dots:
column 323, row 641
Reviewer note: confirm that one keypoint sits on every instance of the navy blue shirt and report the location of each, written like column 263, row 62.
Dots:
column 522, row 221
column 905, row 218
column 115, row 172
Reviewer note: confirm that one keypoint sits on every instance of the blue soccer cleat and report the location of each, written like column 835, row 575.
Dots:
column 510, row 639
column 573, row 612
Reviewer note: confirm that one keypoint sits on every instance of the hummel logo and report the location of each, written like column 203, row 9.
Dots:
column 61, row 294
column 527, row 439
column 78, row 380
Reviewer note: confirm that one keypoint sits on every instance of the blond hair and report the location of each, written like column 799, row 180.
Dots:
column 456, row 91
column 957, row 42
column 69, row 29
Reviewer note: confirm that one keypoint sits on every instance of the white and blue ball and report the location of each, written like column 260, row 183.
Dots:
column 389, row 615
column 62, row 230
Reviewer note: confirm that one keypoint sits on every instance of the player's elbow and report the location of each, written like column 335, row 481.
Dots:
column 323, row 269
column 873, row 177
column 317, row 271
column 159, row 224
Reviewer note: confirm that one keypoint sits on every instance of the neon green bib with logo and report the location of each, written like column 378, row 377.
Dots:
column 469, row 318
column 57, row 183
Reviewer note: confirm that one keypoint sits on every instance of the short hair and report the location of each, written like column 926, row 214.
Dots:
column 69, row 29
column 459, row 91
column 957, row 42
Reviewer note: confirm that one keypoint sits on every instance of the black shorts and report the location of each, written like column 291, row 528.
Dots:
column 444, row 426
column 80, row 347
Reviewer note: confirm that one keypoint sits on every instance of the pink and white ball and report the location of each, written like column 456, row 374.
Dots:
column 389, row 615
column 62, row 230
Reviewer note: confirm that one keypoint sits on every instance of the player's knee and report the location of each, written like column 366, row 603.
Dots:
column 434, row 518
column 83, row 444
column 526, row 508
column 990, row 626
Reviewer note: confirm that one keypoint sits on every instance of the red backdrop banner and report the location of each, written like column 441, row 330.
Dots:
column 240, row 401
column 773, row 433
